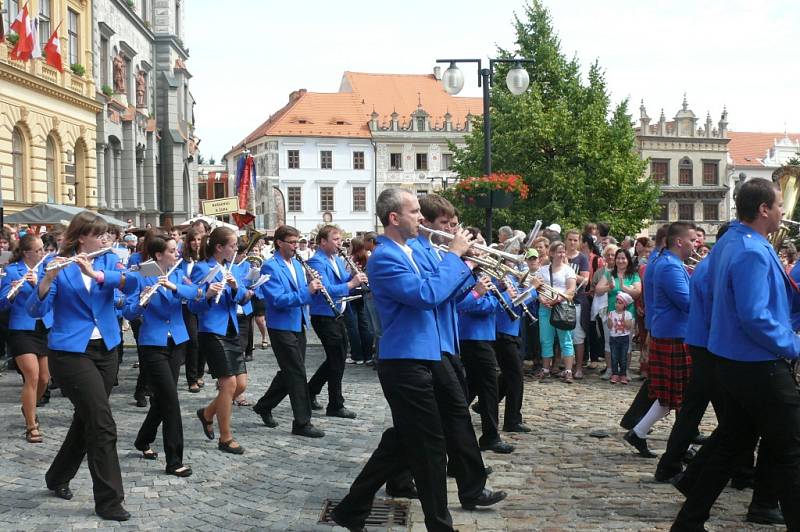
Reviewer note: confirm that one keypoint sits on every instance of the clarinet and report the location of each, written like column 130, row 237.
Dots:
column 353, row 266
column 528, row 313
column 314, row 274
column 513, row 316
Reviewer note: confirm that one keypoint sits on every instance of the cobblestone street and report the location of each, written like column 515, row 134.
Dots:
column 559, row 478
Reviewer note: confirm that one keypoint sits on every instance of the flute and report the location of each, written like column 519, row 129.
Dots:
column 149, row 292
column 58, row 265
column 17, row 286
column 225, row 271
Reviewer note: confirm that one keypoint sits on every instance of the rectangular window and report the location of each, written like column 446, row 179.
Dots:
column 659, row 171
column 358, row 160
column 359, row 199
column 663, row 213
column 710, row 173
column 74, row 44
column 395, row 161
column 104, row 60
column 326, row 198
column 326, row 160
column 710, row 211
column 421, row 193
column 686, row 212
column 294, row 198
column 12, row 8
column 202, row 189
column 685, row 176
column 422, row 161
column 44, row 22
column 219, row 190
column 293, row 157
column 447, row 161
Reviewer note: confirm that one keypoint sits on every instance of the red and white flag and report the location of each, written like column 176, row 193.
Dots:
column 22, row 26
column 52, row 51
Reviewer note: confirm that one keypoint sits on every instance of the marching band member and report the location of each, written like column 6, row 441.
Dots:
column 195, row 358
column 162, row 342
column 286, row 294
column 244, row 313
column 82, row 341
column 330, row 330
column 507, row 348
column 27, row 336
column 218, row 333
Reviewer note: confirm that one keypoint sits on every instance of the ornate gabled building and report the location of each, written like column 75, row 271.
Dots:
column 47, row 117
column 690, row 162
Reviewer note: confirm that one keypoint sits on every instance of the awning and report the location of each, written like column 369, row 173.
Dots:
column 53, row 213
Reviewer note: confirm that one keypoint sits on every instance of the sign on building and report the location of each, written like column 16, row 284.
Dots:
column 220, row 206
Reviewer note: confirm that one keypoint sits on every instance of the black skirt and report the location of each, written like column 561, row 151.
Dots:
column 223, row 353
column 24, row 342
column 259, row 307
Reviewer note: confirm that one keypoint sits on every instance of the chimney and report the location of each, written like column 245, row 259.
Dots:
column 437, row 72
column 295, row 95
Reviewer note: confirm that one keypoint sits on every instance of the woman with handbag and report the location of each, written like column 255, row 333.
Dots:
column 554, row 313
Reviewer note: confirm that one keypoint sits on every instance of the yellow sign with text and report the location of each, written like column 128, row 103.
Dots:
column 219, row 206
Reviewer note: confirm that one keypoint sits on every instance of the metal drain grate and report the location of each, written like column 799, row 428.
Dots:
column 385, row 512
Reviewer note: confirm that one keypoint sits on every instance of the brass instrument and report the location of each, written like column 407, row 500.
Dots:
column 253, row 237
column 148, row 293
column 513, row 316
column 17, row 285
column 788, row 177
column 255, row 261
column 549, row 291
column 516, row 259
column 345, row 299
column 693, row 260
column 525, row 309
column 58, row 265
column 496, row 267
column 314, row 274
column 352, row 264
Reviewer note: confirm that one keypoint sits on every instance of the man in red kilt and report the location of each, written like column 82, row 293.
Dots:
column 670, row 364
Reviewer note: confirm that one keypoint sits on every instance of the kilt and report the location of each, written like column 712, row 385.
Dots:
column 669, row 369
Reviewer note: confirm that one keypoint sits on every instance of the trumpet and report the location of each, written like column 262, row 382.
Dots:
column 58, row 265
column 547, row 290
column 148, row 293
column 693, row 260
column 525, row 309
column 314, row 274
column 495, row 267
column 516, row 259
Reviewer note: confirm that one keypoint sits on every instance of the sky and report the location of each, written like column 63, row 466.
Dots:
column 246, row 56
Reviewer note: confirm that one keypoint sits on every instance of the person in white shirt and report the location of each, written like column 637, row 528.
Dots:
column 620, row 325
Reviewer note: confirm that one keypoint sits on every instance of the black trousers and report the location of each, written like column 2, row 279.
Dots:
column 699, row 391
column 759, row 398
column 510, row 383
column 333, row 334
column 195, row 360
column 416, row 441
column 246, row 334
column 86, row 380
column 481, row 365
column 141, row 379
column 290, row 352
column 162, row 366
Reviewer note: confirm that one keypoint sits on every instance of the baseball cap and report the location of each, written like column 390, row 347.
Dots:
column 129, row 238
column 555, row 227
column 531, row 254
column 625, row 298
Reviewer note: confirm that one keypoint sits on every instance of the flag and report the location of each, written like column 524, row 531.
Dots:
column 2, row 30
column 245, row 187
column 52, row 51
column 36, row 51
column 22, row 26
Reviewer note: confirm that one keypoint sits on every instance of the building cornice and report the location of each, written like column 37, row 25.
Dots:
column 707, row 193
column 14, row 75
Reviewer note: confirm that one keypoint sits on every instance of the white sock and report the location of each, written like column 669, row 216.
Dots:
column 656, row 413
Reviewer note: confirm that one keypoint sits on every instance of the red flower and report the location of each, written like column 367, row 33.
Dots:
column 496, row 181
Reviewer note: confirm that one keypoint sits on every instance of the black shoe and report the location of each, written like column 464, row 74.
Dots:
column 341, row 412
column 498, row 446
column 764, row 516
column 700, row 439
column 208, row 426
column 486, row 498
column 309, row 431
column 266, row 417
column 141, row 401
column 117, row 514
column 180, row 471
column 409, row 493
column 43, row 401
column 640, row 444
column 63, row 492
column 742, row 483
column 680, row 484
column 689, row 455
column 476, row 407
column 664, row 477
column 519, row 427
column 248, row 358
column 315, row 404
column 226, row 447
column 344, row 523
column 488, row 470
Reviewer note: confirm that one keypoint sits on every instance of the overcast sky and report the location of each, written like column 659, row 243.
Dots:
column 248, row 55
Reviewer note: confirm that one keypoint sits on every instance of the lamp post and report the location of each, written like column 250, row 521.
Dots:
column 517, row 81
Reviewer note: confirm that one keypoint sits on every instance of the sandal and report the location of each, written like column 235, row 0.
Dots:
column 208, row 426
column 180, row 471
column 194, row 388
column 227, row 447
column 578, row 375
column 201, row 383
column 32, row 434
column 149, row 454
column 264, row 344
column 541, row 374
column 242, row 402
column 35, row 417
column 567, row 376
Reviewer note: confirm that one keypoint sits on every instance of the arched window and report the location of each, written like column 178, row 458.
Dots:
column 51, row 172
column 685, row 176
column 18, row 164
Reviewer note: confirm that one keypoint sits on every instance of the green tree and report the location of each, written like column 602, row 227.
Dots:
column 577, row 153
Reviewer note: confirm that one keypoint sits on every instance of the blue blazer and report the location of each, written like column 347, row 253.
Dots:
column 751, row 301
column 135, row 259
column 670, row 311
column 795, row 275
column 19, row 319
column 428, row 260
column 336, row 285
column 162, row 318
column 213, row 317
column 285, row 298
column 477, row 317
column 76, row 311
column 647, row 285
column 699, row 306
column 240, row 272
column 503, row 323
column 406, row 300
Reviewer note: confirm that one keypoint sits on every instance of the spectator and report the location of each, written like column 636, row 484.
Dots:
column 620, row 326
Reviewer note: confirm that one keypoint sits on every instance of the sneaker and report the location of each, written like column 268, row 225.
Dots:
column 607, row 374
column 349, row 360
column 624, row 380
column 359, row 362
column 614, row 379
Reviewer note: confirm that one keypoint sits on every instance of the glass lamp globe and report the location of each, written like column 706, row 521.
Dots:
column 517, row 80
column 453, row 79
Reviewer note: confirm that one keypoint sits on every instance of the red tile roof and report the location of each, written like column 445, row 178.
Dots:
column 748, row 149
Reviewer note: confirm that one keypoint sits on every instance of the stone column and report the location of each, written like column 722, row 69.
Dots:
column 117, row 178
column 101, row 174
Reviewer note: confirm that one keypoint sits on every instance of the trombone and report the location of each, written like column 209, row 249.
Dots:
column 516, row 259
column 693, row 260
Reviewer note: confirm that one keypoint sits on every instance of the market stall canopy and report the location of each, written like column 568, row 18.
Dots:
column 53, row 213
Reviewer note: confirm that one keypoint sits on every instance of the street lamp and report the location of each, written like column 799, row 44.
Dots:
column 517, row 81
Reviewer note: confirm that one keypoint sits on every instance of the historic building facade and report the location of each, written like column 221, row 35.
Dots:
column 690, row 163
column 48, row 118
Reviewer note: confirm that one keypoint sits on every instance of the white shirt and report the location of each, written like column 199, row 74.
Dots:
column 335, row 266
column 560, row 277
column 87, row 282
column 618, row 320
column 290, row 265
column 408, row 251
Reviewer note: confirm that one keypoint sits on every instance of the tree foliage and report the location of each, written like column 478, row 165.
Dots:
column 577, row 155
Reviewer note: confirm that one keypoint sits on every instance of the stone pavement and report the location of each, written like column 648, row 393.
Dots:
column 559, row 478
